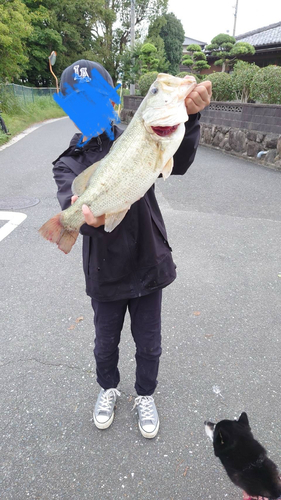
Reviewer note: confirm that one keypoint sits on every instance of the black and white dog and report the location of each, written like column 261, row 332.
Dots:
column 244, row 459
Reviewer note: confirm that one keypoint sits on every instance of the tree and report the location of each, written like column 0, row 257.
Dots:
column 15, row 28
column 195, row 59
column 148, row 57
column 227, row 50
column 63, row 26
column 111, row 31
column 220, row 48
column 154, row 37
column 98, row 30
column 130, row 64
column 42, row 41
column 172, row 34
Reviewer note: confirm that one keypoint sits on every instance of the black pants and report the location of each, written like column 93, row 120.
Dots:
column 145, row 314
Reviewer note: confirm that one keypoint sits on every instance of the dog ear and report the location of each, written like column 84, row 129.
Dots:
column 222, row 439
column 243, row 419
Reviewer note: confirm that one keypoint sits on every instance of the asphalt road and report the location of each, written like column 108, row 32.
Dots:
column 221, row 337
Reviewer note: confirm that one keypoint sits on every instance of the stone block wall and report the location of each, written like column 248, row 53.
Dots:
column 244, row 130
column 245, row 143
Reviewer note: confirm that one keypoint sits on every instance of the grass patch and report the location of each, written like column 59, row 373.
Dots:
column 18, row 115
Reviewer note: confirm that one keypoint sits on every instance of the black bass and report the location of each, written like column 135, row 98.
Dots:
column 143, row 152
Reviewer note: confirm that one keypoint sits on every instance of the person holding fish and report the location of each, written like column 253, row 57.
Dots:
column 106, row 192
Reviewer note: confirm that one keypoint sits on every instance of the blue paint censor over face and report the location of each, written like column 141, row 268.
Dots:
column 89, row 105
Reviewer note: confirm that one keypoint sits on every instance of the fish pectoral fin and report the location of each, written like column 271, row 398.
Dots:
column 112, row 220
column 81, row 182
column 168, row 168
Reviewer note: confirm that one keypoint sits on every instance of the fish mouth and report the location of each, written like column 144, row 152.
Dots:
column 164, row 131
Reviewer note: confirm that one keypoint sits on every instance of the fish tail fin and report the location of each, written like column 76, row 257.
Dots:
column 54, row 231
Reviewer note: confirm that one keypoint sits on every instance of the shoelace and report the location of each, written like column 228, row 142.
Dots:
column 146, row 408
column 106, row 399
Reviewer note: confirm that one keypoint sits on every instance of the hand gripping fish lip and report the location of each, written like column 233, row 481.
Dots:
column 164, row 131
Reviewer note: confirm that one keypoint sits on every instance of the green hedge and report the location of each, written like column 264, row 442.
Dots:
column 222, row 86
column 182, row 74
column 266, row 85
column 242, row 78
column 247, row 82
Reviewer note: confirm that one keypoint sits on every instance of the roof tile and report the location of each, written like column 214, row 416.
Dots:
column 269, row 35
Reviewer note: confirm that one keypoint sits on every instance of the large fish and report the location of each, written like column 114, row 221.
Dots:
column 143, row 152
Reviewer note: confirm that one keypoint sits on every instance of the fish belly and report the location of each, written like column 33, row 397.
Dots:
column 126, row 173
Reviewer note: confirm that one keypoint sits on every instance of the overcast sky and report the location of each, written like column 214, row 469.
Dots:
column 204, row 19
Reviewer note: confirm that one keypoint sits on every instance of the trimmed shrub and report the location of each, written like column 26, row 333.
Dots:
column 182, row 74
column 148, row 58
column 266, row 85
column 193, row 48
column 222, row 86
column 242, row 78
column 146, row 81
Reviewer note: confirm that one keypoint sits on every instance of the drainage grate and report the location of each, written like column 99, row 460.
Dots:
column 17, row 203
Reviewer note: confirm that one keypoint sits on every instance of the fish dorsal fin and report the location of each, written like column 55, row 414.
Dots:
column 81, row 182
column 112, row 220
column 168, row 168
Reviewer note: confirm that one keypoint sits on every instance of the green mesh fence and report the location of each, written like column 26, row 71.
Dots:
column 28, row 94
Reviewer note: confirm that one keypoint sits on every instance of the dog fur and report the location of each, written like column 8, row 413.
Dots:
column 243, row 458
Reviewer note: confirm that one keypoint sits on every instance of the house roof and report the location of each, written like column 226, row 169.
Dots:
column 189, row 41
column 268, row 35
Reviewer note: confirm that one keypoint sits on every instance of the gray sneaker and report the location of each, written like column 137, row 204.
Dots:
column 104, row 409
column 148, row 416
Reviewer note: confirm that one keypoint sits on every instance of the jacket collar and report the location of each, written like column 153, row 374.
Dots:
column 96, row 143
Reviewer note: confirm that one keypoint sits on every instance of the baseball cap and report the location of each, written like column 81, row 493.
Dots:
column 82, row 70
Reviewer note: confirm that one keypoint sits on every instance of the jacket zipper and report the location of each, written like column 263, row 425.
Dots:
column 99, row 142
column 135, row 283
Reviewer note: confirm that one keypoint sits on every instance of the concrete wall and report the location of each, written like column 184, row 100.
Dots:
column 259, row 117
column 132, row 102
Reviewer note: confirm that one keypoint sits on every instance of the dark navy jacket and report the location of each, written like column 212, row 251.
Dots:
column 135, row 258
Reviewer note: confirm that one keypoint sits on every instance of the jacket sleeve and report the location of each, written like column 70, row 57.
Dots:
column 63, row 177
column 185, row 154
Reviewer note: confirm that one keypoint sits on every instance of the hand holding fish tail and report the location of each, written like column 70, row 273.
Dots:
column 199, row 98
column 74, row 198
column 90, row 219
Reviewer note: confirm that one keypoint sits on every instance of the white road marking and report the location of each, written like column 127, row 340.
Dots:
column 14, row 219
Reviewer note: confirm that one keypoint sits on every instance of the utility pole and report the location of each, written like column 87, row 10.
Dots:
column 235, row 17
column 132, row 85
